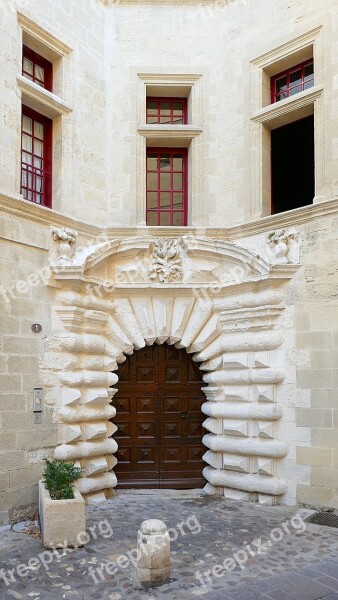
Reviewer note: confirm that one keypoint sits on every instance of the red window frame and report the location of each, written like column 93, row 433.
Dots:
column 30, row 173
column 38, row 61
column 159, row 190
column 171, row 102
column 287, row 92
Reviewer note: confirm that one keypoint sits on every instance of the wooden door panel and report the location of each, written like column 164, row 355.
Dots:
column 146, row 404
column 145, row 374
column 122, row 404
column 173, row 366
column 195, row 454
column 171, row 431
column 193, row 372
column 138, row 467
column 180, row 455
column 181, row 466
column 171, row 404
column 171, row 374
column 123, row 431
column 194, row 404
column 159, row 420
column 145, row 432
column 171, row 455
column 169, row 352
column 124, row 372
column 123, row 456
column 147, row 456
column 194, row 430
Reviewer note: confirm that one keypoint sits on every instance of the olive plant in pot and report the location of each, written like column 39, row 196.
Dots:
column 61, row 506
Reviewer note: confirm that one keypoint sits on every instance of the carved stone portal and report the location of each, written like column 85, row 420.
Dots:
column 217, row 300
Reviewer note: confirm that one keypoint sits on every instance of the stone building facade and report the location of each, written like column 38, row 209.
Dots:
column 248, row 290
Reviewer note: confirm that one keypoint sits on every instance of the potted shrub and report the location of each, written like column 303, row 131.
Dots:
column 61, row 506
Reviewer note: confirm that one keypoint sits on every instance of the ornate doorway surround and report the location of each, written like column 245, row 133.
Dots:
column 219, row 301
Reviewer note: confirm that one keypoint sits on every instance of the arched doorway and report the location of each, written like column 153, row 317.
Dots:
column 159, row 420
column 120, row 295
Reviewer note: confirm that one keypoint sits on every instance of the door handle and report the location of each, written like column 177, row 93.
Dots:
column 184, row 415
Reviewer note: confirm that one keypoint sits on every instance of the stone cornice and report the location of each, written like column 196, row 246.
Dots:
column 49, row 104
column 273, row 111
column 23, row 209
column 16, row 206
column 287, row 48
column 49, row 40
column 291, row 218
column 160, row 2
column 172, row 131
column 179, row 77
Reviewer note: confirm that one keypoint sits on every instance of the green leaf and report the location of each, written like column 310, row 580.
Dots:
column 59, row 477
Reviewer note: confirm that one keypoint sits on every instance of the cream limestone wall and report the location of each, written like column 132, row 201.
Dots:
column 97, row 145
column 79, row 136
column 24, row 300
column 309, row 398
column 103, row 53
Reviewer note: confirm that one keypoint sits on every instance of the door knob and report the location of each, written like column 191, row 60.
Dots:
column 184, row 415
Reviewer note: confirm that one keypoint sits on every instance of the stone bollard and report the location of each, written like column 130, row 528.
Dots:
column 153, row 545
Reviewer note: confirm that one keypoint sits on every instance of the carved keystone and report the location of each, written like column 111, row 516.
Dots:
column 153, row 551
column 166, row 261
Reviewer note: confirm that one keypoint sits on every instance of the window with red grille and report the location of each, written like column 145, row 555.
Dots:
column 37, row 69
column 292, row 81
column 166, row 186
column 170, row 111
column 36, row 157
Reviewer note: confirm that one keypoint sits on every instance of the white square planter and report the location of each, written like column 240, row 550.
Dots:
column 62, row 521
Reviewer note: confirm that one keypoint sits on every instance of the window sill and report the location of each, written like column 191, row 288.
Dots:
column 169, row 135
column 279, row 113
column 41, row 100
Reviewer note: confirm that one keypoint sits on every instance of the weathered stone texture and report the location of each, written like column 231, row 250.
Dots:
column 63, row 522
column 98, row 187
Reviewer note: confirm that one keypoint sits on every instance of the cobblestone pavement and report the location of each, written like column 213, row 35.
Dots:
column 270, row 554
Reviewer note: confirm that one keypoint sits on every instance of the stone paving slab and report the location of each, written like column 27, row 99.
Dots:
column 275, row 556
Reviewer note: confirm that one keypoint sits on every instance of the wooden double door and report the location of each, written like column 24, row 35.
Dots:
column 159, row 420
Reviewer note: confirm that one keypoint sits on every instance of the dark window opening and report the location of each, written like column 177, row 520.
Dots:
column 293, row 165
column 292, row 81
column 36, row 157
